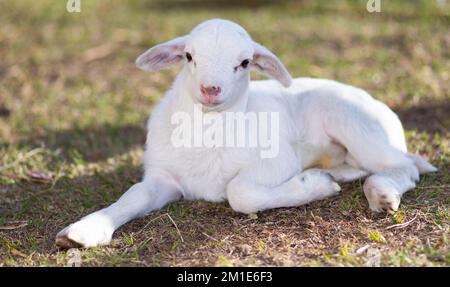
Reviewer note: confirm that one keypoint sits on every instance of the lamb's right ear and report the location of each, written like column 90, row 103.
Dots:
column 162, row 56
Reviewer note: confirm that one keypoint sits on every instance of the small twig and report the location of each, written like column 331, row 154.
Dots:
column 401, row 225
column 179, row 233
column 210, row 237
column 148, row 223
column 158, row 217
column 12, row 227
column 204, row 233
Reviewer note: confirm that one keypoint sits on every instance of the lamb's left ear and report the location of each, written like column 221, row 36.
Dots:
column 268, row 64
column 162, row 56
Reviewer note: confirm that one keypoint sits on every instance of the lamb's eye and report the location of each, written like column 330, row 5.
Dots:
column 188, row 57
column 245, row 63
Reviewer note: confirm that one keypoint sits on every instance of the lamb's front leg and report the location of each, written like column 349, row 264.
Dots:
column 249, row 197
column 97, row 228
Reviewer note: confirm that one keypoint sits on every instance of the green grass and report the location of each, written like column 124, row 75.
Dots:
column 73, row 109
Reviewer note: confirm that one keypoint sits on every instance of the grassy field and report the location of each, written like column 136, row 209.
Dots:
column 73, row 109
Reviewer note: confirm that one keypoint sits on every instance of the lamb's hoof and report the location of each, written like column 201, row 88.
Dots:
column 64, row 242
column 321, row 182
column 381, row 195
column 88, row 232
column 336, row 187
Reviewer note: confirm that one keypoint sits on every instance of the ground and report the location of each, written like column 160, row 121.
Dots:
column 73, row 109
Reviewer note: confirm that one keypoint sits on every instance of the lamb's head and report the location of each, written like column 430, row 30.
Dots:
column 218, row 55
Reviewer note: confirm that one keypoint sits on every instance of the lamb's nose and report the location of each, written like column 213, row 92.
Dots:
column 211, row 91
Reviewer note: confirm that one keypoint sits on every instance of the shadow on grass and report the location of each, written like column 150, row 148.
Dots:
column 46, row 210
column 433, row 117
column 200, row 233
column 204, row 231
column 89, row 144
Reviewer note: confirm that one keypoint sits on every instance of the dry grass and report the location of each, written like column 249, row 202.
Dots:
column 73, row 109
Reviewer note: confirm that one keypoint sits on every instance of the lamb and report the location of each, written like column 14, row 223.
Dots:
column 329, row 132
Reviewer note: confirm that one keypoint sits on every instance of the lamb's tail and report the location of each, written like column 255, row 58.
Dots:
column 423, row 165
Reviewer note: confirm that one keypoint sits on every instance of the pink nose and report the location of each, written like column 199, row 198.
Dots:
column 212, row 91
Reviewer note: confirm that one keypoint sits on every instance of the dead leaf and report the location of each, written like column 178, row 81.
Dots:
column 16, row 252
column 40, row 176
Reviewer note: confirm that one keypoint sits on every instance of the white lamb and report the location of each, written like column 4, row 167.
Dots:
column 323, row 124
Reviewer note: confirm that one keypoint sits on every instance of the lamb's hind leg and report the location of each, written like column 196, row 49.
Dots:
column 392, row 171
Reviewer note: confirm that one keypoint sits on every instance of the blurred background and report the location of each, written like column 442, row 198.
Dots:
column 73, row 106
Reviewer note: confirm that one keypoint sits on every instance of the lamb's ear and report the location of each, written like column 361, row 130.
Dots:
column 268, row 64
column 162, row 56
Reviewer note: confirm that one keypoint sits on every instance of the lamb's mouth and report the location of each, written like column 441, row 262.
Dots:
column 211, row 105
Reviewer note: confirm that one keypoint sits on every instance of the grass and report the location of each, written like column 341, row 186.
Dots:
column 72, row 126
